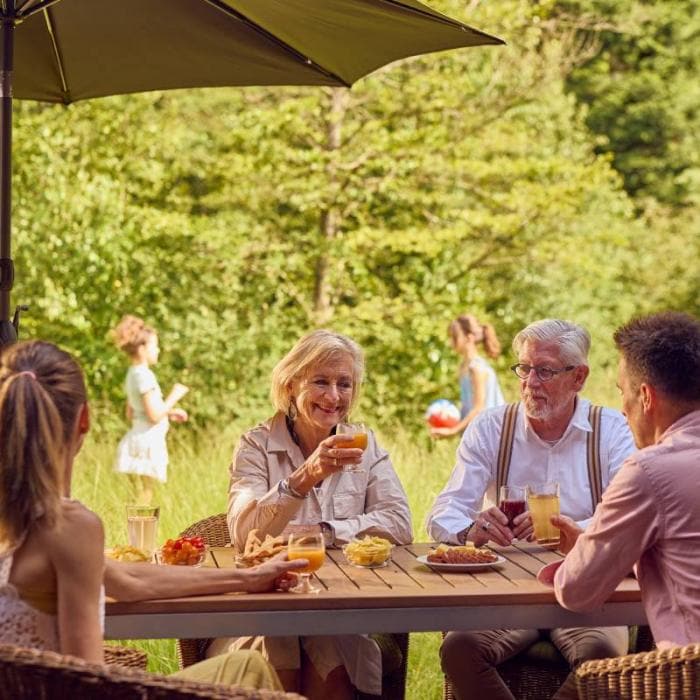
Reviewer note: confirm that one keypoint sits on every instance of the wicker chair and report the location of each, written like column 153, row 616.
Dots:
column 672, row 674
column 539, row 671
column 126, row 657
column 28, row 674
column 214, row 531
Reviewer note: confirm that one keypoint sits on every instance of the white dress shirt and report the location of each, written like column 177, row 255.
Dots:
column 472, row 485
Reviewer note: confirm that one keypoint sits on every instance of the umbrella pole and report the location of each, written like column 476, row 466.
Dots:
column 8, row 332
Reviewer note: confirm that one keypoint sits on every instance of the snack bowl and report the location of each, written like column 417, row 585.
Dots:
column 369, row 552
column 184, row 551
column 127, row 553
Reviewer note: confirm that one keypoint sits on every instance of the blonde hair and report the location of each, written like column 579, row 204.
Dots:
column 483, row 333
column 131, row 333
column 41, row 392
column 573, row 340
column 315, row 348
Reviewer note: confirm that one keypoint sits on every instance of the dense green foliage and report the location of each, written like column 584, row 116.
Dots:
column 485, row 180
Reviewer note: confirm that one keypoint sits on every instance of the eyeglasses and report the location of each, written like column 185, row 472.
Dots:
column 544, row 374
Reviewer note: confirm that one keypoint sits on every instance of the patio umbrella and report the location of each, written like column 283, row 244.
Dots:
column 68, row 50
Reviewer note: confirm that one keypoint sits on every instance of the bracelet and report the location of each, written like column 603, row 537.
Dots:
column 288, row 488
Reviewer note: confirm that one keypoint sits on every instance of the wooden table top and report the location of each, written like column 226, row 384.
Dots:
column 404, row 583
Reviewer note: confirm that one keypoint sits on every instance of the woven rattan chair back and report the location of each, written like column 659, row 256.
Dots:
column 214, row 531
column 672, row 674
column 126, row 657
column 28, row 674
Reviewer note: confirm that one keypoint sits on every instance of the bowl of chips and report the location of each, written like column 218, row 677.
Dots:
column 127, row 553
column 369, row 552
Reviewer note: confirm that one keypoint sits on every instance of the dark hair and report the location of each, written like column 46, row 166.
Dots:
column 664, row 350
column 131, row 333
column 483, row 333
column 41, row 392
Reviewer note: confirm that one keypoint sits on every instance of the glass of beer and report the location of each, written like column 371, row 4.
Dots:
column 358, row 432
column 142, row 527
column 543, row 503
column 306, row 544
column 511, row 502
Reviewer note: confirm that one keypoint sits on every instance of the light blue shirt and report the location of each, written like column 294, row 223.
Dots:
column 494, row 396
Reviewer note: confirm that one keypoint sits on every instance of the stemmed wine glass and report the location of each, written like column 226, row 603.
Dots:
column 358, row 432
column 306, row 544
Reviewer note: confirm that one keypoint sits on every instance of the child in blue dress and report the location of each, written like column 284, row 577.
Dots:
column 478, row 383
column 142, row 452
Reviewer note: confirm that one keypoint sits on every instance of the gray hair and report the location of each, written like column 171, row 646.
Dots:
column 311, row 350
column 573, row 340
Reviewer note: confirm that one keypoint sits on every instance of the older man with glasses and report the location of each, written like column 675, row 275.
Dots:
column 552, row 434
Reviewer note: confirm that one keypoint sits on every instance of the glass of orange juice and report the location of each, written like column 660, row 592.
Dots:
column 309, row 545
column 358, row 433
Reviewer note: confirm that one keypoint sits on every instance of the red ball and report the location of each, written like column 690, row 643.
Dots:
column 442, row 414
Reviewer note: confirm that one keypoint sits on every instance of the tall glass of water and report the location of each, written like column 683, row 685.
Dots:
column 142, row 527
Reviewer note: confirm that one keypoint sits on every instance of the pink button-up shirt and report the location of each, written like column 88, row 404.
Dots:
column 649, row 515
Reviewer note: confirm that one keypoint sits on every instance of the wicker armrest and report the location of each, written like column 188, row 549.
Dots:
column 27, row 674
column 672, row 674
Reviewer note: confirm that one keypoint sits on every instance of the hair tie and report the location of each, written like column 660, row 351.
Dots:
column 27, row 372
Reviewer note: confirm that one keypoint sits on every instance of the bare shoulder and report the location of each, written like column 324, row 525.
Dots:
column 79, row 532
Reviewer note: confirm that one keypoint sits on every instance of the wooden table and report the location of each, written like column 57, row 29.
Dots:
column 405, row 596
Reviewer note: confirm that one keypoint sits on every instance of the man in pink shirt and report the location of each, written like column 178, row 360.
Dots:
column 650, row 513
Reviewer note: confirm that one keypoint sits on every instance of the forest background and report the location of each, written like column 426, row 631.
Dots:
column 558, row 175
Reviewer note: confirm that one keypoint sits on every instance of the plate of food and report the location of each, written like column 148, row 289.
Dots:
column 368, row 553
column 460, row 558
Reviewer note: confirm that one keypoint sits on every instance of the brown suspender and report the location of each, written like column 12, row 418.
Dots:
column 505, row 450
column 595, row 478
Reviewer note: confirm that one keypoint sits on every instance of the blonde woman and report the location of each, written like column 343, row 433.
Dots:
column 290, row 471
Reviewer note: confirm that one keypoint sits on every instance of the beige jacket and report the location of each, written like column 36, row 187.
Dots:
column 371, row 501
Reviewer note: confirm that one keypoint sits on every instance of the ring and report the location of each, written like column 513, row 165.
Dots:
column 486, row 525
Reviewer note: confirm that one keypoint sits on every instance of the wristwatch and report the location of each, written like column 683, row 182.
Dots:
column 328, row 533
column 463, row 534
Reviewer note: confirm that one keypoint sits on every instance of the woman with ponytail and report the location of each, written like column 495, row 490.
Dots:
column 478, row 383
column 51, row 546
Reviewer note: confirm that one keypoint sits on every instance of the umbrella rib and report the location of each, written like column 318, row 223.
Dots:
column 56, row 53
column 441, row 18
column 273, row 39
column 43, row 5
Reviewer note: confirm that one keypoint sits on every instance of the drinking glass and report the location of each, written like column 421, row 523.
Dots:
column 142, row 527
column 306, row 544
column 359, row 440
column 543, row 503
column 511, row 501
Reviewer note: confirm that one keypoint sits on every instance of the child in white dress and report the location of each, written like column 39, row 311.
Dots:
column 142, row 452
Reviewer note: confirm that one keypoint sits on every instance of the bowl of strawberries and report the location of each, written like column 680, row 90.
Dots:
column 184, row 551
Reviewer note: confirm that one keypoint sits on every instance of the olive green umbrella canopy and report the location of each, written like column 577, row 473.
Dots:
column 68, row 50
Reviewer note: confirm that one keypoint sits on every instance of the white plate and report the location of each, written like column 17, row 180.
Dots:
column 459, row 567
